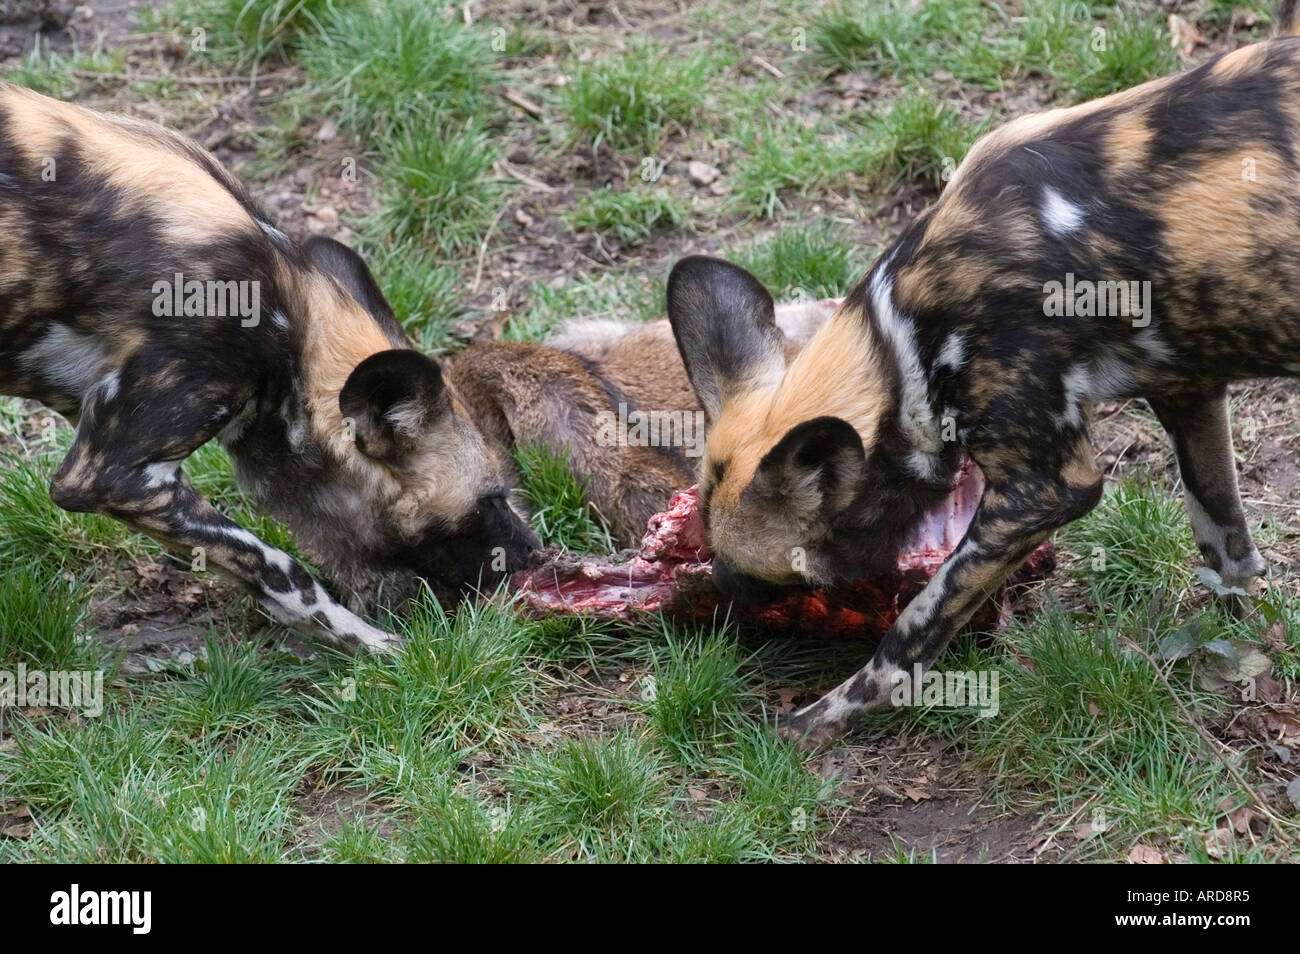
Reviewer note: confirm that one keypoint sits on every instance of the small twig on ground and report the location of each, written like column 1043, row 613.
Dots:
column 482, row 248
column 537, row 185
column 169, row 78
column 524, row 103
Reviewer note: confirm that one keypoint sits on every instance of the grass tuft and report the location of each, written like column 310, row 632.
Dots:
column 797, row 262
column 633, row 100
column 560, row 511
column 631, row 216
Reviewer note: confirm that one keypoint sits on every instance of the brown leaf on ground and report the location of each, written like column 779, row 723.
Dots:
column 1146, row 855
column 151, row 572
column 1241, row 819
column 916, row 794
column 1218, row 841
column 1275, row 638
column 16, row 822
column 1183, row 35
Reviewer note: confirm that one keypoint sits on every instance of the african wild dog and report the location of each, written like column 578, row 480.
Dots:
column 124, row 250
column 954, row 342
column 565, row 393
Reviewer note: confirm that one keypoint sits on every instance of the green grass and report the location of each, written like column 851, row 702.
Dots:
column 438, row 190
column 411, row 64
column 630, row 216
column 1082, row 53
column 248, row 31
column 919, row 138
column 410, row 84
column 1089, row 722
column 425, row 292
column 635, row 99
column 815, row 261
column 1131, row 51
column 1135, row 544
column 694, row 695
column 34, row 530
column 1092, row 721
column 558, row 501
column 593, row 787
column 897, row 38
column 42, row 618
column 52, row 73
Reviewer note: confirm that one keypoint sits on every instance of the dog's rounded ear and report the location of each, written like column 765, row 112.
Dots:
column 350, row 270
column 393, row 398
column 723, row 320
column 817, row 468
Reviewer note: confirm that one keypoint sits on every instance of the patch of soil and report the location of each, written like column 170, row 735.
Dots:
column 920, row 800
column 325, row 813
column 63, row 26
column 157, row 615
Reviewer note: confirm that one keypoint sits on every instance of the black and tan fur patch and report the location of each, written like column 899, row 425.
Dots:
column 144, row 295
column 1143, row 245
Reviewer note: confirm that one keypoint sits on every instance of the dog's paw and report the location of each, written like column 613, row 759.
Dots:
column 378, row 641
column 806, row 731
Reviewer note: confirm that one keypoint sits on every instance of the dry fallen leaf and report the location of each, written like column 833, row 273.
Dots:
column 1218, row 841
column 1146, row 855
column 916, row 794
column 16, row 823
column 1183, row 35
column 1086, row 831
column 150, row 572
column 1241, row 819
column 1275, row 638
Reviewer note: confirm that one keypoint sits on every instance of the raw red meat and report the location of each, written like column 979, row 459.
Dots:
column 671, row 574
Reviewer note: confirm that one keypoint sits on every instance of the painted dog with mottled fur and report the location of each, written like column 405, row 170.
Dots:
column 145, row 297
column 1146, row 244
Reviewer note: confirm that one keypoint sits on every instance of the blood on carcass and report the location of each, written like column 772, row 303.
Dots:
column 671, row 574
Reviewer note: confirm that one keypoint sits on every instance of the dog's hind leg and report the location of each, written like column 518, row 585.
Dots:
column 125, row 462
column 1202, row 439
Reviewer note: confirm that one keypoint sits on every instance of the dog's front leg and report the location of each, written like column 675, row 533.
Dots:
column 126, row 465
column 1017, row 511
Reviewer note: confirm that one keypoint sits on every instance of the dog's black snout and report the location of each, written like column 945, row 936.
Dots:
column 745, row 588
column 517, row 537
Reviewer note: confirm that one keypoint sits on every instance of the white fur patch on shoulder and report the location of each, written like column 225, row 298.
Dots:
column 1060, row 215
column 916, row 416
column 68, row 359
column 163, row 473
column 1076, row 384
column 953, row 353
